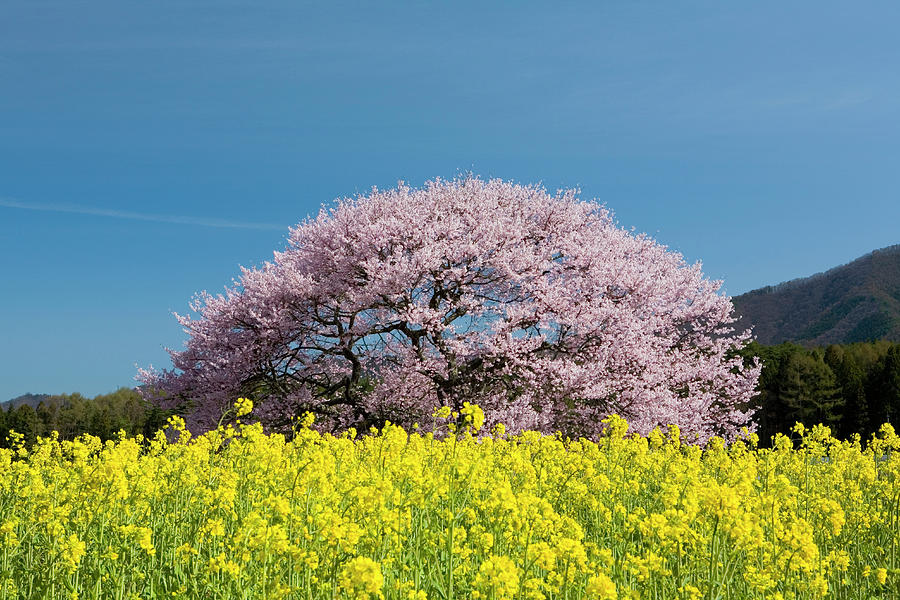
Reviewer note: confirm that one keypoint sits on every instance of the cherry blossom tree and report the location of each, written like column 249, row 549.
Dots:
column 537, row 307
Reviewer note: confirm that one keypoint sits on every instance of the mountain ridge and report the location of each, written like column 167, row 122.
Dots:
column 854, row 302
column 32, row 400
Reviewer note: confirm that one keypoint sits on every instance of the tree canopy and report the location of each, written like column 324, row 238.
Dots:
column 537, row 307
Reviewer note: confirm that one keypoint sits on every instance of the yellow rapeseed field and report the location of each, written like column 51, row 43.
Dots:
column 236, row 513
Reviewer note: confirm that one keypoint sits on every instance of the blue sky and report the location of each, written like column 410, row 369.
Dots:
column 149, row 148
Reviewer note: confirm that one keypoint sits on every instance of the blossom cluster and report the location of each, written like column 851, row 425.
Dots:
column 537, row 307
column 399, row 515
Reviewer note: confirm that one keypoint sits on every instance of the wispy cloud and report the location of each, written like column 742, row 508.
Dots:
column 826, row 100
column 137, row 216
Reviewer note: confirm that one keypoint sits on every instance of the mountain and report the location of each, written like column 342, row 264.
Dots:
column 855, row 302
column 31, row 399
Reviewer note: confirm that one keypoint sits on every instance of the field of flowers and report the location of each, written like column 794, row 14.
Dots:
column 236, row 513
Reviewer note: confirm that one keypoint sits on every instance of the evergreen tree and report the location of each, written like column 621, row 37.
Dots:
column 100, row 422
column 852, row 381
column 72, row 415
column 25, row 421
column 886, row 407
column 155, row 420
column 834, row 356
column 773, row 415
column 810, row 392
column 4, row 430
column 48, row 413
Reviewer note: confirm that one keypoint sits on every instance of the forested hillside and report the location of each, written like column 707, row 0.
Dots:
column 31, row 400
column 73, row 414
column 852, row 388
column 856, row 302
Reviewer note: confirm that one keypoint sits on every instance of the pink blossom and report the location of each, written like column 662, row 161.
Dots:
column 537, row 307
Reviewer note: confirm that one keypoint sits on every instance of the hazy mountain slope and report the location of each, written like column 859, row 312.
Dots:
column 855, row 302
column 31, row 399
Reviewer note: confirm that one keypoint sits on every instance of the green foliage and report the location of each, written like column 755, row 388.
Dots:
column 852, row 388
column 830, row 318
column 25, row 421
column 851, row 377
column 872, row 327
column 72, row 415
column 886, row 392
column 810, row 391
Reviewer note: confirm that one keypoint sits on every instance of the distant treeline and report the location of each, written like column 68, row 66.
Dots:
column 852, row 388
column 73, row 414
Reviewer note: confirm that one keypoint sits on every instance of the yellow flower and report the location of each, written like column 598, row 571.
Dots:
column 473, row 416
column 143, row 536
column 498, row 577
column 287, row 516
column 8, row 535
column 361, row 578
column 213, row 527
column 144, row 540
column 111, row 554
column 185, row 552
column 487, row 541
column 690, row 592
column 280, row 505
column 443, row 412
column 220, row 564
column 71, row 551
column 243, row 406
column 601, row 587
column 616, row 426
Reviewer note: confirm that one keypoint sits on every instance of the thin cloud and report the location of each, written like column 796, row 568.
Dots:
column 136, row 216
column 825, row 100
